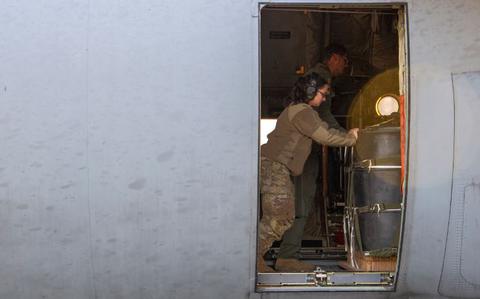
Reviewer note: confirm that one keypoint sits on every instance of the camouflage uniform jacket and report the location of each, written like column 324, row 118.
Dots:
column 290, row 142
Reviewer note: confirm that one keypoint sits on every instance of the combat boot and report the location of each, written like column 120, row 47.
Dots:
column 293, row 265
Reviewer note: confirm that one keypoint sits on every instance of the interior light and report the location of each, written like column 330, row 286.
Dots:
column 266, row 126
column 387, row 104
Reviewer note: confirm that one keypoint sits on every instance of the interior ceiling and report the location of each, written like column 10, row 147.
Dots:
column 344, row 8
column 369, row 34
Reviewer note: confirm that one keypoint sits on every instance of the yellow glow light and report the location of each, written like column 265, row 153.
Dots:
column 387, row 104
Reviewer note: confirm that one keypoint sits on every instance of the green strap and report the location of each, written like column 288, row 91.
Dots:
column 384, row 252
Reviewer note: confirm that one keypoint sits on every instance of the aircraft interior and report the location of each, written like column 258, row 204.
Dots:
column 352, row 233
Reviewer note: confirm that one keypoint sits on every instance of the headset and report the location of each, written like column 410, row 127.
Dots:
column 311, row 86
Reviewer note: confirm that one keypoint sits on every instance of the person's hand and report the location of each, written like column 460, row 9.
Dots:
column 354, row 132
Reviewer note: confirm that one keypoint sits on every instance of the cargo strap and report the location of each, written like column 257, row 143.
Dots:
column 380, row 163
column 380, row 208
column 349, row 221
column 383, row 252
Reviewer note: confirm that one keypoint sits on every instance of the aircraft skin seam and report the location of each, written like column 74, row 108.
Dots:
column 458, row 244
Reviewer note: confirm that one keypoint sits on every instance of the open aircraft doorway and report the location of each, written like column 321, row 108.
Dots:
column 349, row 201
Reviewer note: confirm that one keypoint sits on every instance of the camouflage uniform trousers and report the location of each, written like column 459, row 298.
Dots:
column 278, row 203
column 305, row 187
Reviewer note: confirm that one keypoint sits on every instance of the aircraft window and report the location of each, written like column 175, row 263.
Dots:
column 349, row 201
column 266, row 126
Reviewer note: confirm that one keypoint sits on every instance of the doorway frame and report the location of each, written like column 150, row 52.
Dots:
column 404, row 84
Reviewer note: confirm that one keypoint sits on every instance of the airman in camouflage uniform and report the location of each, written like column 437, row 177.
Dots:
column 333, row 65
column 288, row 146
column 278, row 205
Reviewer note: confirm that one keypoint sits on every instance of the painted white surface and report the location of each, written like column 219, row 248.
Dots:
column 129, row 145
column 443, row 39
column 461, row 268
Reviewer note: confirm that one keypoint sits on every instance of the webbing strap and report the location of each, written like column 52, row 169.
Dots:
column 383, row 252
column 356, row 224
column 380, row 208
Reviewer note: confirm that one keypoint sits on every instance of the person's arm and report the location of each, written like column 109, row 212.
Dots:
column 309, row 124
